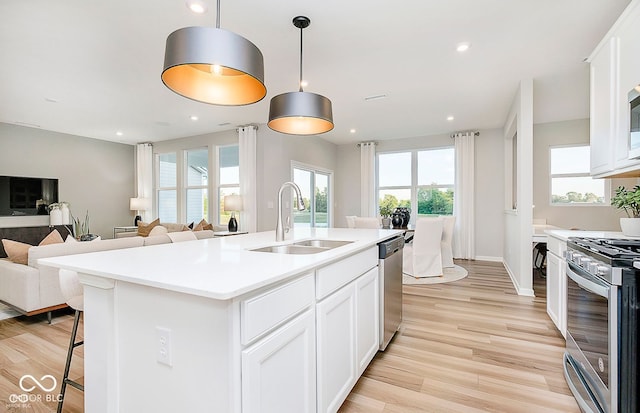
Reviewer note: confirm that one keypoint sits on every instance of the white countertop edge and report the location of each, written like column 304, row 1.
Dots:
column 226, row 293
column 565, row 234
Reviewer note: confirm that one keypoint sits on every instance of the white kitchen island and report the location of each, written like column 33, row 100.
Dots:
column 210, row 326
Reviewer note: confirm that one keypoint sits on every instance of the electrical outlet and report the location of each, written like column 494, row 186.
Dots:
column 163, row 340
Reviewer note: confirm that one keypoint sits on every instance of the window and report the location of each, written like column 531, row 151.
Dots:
column 422, row 180
column 315, row 187
column 228, row 178
column 197, row 199
column 167, row 186
column 571, row 183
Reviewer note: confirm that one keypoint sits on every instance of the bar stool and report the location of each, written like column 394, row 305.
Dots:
column 74, row 297
column 540, row 254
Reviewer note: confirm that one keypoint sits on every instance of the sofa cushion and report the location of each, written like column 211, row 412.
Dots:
column 145, row 228
column 182, row 236
column 55, row 250
column 175, row 227
column 156, row 240
column 17, row 252
column 158, row 230
column 204, row 234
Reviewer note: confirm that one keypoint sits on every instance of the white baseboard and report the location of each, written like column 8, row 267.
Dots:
column 528, row 292
column 488, row 258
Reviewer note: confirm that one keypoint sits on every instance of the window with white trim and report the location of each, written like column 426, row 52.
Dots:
column 570, row 181
column 167, row 187
column 423, row 180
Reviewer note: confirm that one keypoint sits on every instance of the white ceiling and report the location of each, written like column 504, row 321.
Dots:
column 100, row 63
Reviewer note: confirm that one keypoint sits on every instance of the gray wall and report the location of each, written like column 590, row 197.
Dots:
column 489, row 187
column 582, row 217
column 276, row 151
column 94, row 175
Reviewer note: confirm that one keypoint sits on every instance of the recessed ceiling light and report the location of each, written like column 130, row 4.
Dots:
column 463, row 47
column 193, row 117
column 450, row 118
column 224, row 124
column 52, row 100
column 352, row 130
column 197, row 6
column 119, row 133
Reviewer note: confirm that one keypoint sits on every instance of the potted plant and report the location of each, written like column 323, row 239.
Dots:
column 629, row 201
column 386, row 211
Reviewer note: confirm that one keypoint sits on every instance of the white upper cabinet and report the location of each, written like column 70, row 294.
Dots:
column 615, row 70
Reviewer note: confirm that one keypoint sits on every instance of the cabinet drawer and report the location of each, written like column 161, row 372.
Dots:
column 261, row 313
column 335, row 275
column 556, row 246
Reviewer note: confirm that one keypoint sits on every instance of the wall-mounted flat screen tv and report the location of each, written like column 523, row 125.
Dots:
column 21, row 195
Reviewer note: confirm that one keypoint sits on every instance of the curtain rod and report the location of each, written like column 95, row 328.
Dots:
column 475, row 133
column 359, row 144
column 244, row 126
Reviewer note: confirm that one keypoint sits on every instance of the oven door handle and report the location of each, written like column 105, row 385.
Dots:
column 587, row 282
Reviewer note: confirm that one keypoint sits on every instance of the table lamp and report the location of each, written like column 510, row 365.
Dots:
column 139, row 204
column 233, row 203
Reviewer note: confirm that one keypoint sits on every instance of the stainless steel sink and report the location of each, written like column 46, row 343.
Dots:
column 291, row 249
column 310, row 246
column 322, row 243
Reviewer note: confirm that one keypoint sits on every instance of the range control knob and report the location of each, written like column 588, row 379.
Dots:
column 602, row 270
column 575, row 257
column 592, row 267
column 584, row 262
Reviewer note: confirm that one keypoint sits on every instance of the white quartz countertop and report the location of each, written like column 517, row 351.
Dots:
column 220, row 268
column 565, row 234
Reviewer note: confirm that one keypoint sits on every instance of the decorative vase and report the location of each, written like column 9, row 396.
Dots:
column 405, row 216
column 55, row 216
column 386, row 223
column 66, row 214
column 630, row 226
column 396, row 220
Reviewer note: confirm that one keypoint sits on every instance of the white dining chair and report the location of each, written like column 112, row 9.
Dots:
column 446, row 244
column 367, row 222
column 351, row 221
column 423, row 256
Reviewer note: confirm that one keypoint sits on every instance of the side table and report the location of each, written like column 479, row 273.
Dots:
column 117, row 230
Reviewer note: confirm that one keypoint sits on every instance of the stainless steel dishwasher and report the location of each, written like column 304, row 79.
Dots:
column 390, row 267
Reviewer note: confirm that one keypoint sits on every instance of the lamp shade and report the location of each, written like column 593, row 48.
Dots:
column 300, row 113
column 139, row 204
column 233, row 203
column 215, row 66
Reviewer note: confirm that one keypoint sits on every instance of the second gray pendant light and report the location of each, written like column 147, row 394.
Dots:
column 300, row 113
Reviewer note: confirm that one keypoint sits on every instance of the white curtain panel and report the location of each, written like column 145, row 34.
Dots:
column 247, row 139
column 368, row 179
column 144, row 176
column 463, row 204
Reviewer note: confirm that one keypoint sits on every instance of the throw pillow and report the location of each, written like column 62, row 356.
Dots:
column 16, row 251
column 54, row 237
column 144, row 229
column 202, row 225
column 158, row 230
column 182, row 236
column 70, row 239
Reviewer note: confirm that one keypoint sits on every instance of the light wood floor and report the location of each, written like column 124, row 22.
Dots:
column 468, row 346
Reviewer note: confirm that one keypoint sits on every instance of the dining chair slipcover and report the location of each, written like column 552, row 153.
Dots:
column 423, row 257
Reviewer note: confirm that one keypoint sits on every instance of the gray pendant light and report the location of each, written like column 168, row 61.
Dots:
column 300, row 113
column 215, row 66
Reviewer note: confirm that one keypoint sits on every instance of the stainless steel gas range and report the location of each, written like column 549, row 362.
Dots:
column 601, row 363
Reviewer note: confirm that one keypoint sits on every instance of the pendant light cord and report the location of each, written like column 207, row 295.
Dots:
column 301, row 59
column 218, row 14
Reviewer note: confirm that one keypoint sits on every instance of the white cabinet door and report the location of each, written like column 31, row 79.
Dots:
column 603, row 107
column 336, row 348
column 557, row 292
column 367, row 318
column 278, row 372
column 553, row 291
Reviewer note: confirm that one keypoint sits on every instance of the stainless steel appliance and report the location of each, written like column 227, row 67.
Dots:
column 390, row 266
column 600, row 363
column 634, row 122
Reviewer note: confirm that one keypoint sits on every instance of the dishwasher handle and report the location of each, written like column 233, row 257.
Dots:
column 390, row 247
